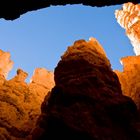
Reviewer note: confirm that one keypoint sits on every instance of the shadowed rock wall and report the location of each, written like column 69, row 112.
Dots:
column 86, row 102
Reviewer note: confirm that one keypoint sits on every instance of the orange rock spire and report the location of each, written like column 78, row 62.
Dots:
column 129, row 18
column 20, row 103
column 5, row 63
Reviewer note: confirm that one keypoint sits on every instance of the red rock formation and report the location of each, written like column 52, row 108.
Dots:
column 129, row 18
column 41, row 84
column 87, row 102
column 130, row 78
column 20, row 102
column 5, row 63
column 43, row 77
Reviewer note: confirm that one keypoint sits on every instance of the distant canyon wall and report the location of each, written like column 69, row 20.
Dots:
column 20, row 103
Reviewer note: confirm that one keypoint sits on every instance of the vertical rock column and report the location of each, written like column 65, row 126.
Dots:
column 129, row 18
column 5, row 63
column 20, row 103
column 86, row 102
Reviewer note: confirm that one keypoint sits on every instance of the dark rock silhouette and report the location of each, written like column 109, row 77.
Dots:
column 12, row 9
column 87, row 102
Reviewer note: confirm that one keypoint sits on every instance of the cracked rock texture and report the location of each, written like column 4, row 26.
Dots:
column 129, row 18
column 86, row 102
column 20, row 102
column 12, row 9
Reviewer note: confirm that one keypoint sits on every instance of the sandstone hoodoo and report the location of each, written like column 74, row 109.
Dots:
column 129, row 18
column 130, row 78
column 20, row 102
column 86, row 102
column 84, row 99
column 5, row 63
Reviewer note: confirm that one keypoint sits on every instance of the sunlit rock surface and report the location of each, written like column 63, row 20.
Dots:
column 129, row 18
column 86, row 102
column 5, row 63
column 130, row 78
column 20, row 103
column 41, row 84
column 39, row 78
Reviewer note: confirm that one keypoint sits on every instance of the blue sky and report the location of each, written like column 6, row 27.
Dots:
column 38, row 39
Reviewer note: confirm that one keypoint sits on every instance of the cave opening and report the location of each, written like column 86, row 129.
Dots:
column 86, row 95
column 38, row 39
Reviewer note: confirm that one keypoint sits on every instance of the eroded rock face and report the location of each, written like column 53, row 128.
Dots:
column 5, row 63
column 41, row 84
column 20, row 102
column 130, row 78
column 39, row 78
column 129, row 18
column 86, row 102
column 12, row 9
